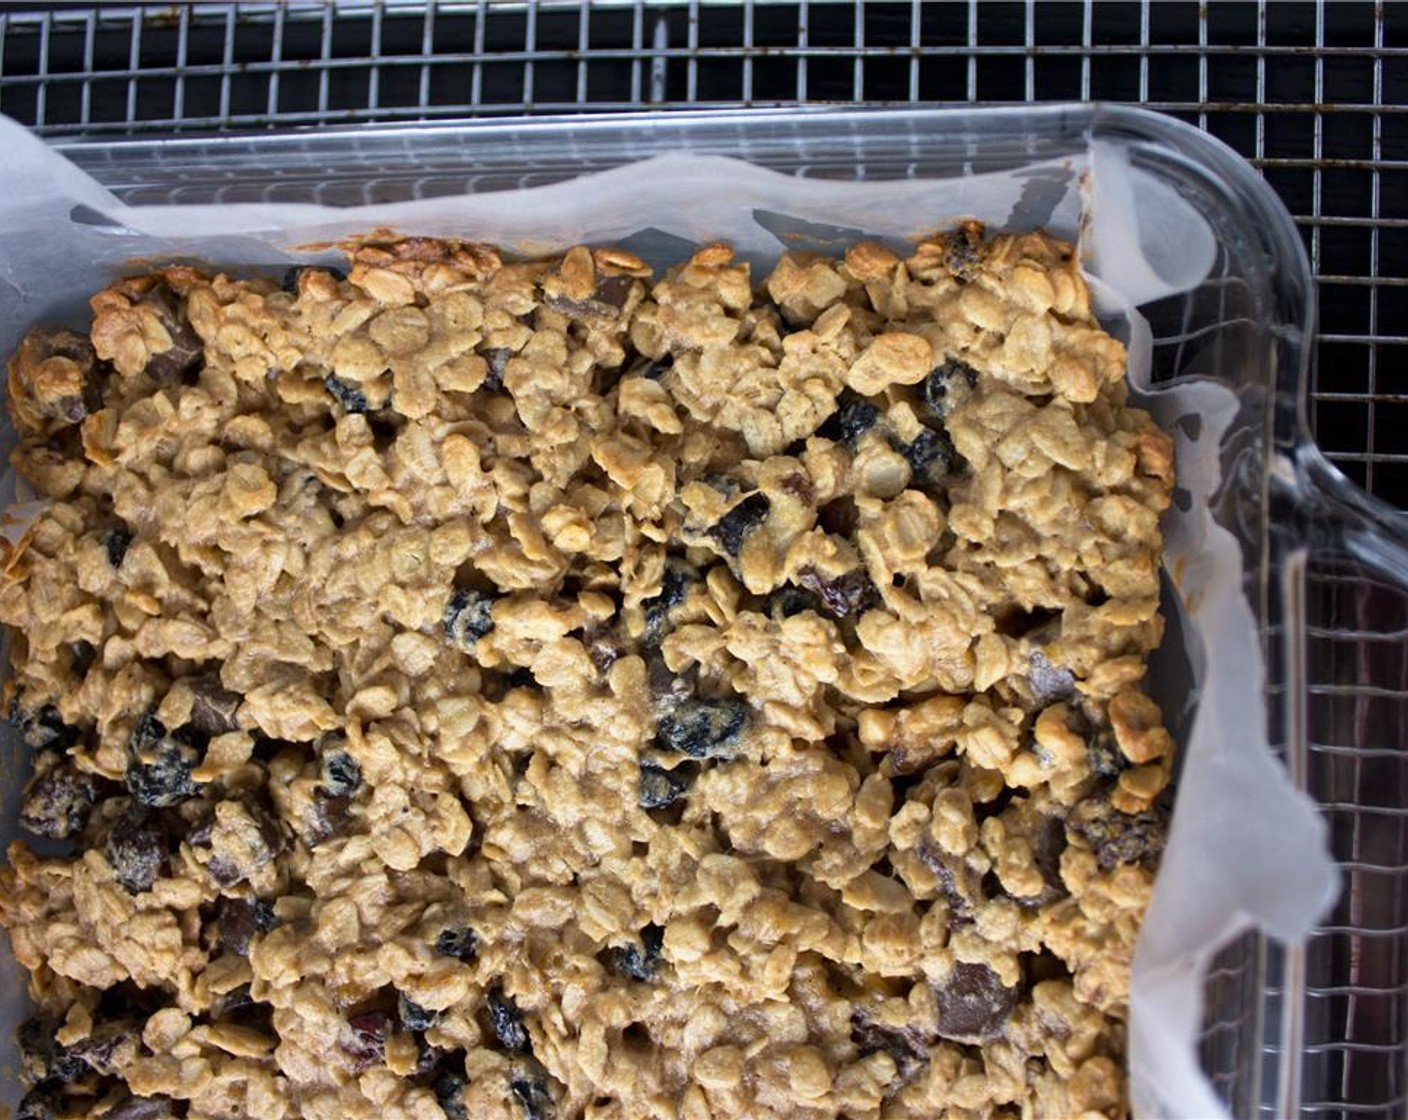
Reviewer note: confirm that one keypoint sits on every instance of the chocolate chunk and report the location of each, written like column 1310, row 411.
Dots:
column 703, row 728
column 505, row 1020
column 365, row 1039
column 661, row 788
column 610, row 296
column 346, row 393
column 1119, row 837
column 58, row 802
column 739, row 521
column 213, row 706
column 948, row 384
column 974, row 1004
column 160, row 764
column 136, row 850
column 850, row 421
column 468, row 617
column 413, row 1016
column 529, row 1082
column 459, row 942
column 907, row 1046
column 186, row 346
column 116, row 542
column 844, row 595
column 1048, row 841
column 241, row 920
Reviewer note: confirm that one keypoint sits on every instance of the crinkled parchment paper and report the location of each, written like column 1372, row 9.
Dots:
column 1139, row 242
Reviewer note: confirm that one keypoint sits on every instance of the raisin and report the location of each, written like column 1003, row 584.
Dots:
column 294, row 276
column 1047, row 681
column 160, row 765
column 963, row 249
column 449, row 1095
column 241, row 920
column 468, row 617
column 413, row 1016
column 43, row 729
column 850, row 421
column 505, row 1020
column 907, row 1046
column 528, row 1081
column 341, row 774
column 947, row 385
column 604, row 647
column 637, row 962
column 111, row 1046
column 844, row 595
column 58, row 802
column 957, row 881
column 703, row 728
column 115, row 543
column 739, row 521
column 213, row 707
column 661, row 788
column 1103, row 754
column 330, row 816
column 365, row 1042
column 136, row 850
column 974, row 1004
column 346, row 393
column 459, row 942
column 1119, row 837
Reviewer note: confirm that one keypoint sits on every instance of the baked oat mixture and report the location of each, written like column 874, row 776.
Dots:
column 467, row 688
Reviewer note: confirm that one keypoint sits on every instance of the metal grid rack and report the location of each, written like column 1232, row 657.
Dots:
column 1315, row 94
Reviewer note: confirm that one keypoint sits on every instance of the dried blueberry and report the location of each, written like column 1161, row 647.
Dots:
column 850, row 421
column 468, row 617
column 529, row 1082
column 505, row 1020
column 661, row 788
column 963, row 249
column 160, row 764
column 739, row 521
column 1119, row 837
column 43, row 1103
column 449, row 1095
column 135, row 850
column 213, row 706
column 931, row 458
column 241, row 920
column 413, row 1016
column 674, row 588
column 1103, row 754
column 459, row 942
column 703, row 728
column 116, row 542
column 58, row 802
column 637, row 962
column 907, row 1045
column 365, row 1039
column 974, row 1003
column 1049, row 682
column 42, row 729
column 342, row 776
column 43, row 1057
column 948, row 384
column 346, row 393
column 844, row 595
column 143, row 1108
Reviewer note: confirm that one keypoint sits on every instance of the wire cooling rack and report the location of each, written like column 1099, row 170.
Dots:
column 1315, row 94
